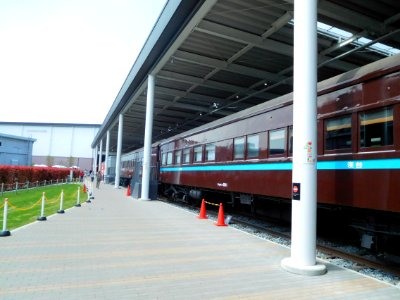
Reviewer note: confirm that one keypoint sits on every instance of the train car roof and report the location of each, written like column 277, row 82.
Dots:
column 375, row 69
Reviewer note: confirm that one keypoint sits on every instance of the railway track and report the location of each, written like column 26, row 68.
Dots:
column 330, row 252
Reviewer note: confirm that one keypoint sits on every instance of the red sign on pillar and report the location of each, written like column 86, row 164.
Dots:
column 296, row 191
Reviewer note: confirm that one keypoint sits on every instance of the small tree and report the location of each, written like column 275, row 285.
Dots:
column 71, row 161
column 50, row 160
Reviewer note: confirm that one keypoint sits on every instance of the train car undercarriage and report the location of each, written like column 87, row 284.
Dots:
column 374, row 230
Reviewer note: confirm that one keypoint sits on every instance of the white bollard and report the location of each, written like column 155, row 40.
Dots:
column 5, row 232
column 88, row 197
column 78, row 200
column 42, row 217
column 61, row 211
column 91, row 191
column 5, row 214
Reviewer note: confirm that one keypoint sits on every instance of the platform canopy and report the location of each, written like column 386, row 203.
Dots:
column 215, row 58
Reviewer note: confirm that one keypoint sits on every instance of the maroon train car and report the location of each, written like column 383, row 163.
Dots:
column 247, row 155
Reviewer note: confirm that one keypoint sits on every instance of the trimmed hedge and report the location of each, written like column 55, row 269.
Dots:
column 12, row 174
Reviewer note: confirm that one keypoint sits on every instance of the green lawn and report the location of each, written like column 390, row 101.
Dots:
column 23, row 200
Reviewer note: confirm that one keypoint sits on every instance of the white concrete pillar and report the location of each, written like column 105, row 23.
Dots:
column 119, row 150
column 107, row 154
column 304, row 176
column 148, row 138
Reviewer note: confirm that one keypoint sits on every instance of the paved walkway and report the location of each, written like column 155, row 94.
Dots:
column 120, row 248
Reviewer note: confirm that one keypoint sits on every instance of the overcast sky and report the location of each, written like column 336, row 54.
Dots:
column 64, row 61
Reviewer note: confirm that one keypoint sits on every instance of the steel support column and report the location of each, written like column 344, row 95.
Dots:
column 107, row 154
column 119, row 150
column 100, row 155
column 148, row 138
column 95, row 152
column 304, row 176
column 93, row 158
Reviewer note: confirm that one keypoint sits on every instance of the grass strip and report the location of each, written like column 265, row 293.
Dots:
column 24, row 199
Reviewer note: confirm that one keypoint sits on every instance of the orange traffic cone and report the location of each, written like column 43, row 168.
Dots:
column 202, row 214
column 128, row 191
column 221, row 218
column 84, row 188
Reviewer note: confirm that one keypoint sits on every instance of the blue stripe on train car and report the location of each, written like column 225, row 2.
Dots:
column 372, row 164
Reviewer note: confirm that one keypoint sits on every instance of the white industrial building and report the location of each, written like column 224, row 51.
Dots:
column 57, row 144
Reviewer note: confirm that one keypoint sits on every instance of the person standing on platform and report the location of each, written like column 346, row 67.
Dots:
column 91, row 175
column 98, row 179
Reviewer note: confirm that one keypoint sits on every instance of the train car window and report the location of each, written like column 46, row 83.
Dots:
column 253, row 146
column 169, row 158
column 277, row 141
column 198, row 154
column 291, row 141
column 376, row 128
column 238, row 148
column 338, row 133
column 186, row 156
column 178, row 155
column 210, row 152
column 164, row 159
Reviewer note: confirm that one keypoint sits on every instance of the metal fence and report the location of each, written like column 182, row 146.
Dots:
column 16, row 186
